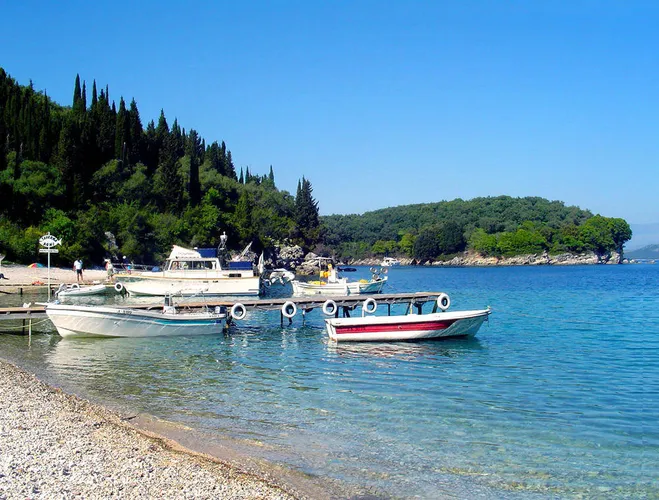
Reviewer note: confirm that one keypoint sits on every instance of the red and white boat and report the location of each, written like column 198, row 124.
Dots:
column 406, row 327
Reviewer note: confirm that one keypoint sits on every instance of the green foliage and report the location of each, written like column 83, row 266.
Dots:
column 426, row 246
column 483, row 243
column 381, row 247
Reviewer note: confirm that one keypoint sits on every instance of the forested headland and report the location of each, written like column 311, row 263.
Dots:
column 93, row 175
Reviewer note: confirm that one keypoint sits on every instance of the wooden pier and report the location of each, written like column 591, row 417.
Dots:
column 303, row 304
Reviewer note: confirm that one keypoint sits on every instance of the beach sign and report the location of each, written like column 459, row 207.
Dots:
column 49, row 241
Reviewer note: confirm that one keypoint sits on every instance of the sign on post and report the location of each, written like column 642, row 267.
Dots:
column 50, row 242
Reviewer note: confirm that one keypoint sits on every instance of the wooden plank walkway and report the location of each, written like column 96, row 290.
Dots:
column 306, row 303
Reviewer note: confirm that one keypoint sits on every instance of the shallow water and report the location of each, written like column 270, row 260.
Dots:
column 557, row 395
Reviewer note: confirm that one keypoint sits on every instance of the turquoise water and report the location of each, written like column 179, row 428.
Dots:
column 557, row 396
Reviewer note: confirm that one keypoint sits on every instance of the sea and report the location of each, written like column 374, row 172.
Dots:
column 556, row 397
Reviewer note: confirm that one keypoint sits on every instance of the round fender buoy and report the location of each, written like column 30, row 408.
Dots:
column 289, row 309
column 238, row 311
column 75, row 286
column 443, row 301
column 372, row 269
column 119, row 287
column 370, row 305
column 329, row 307
column 267, row 283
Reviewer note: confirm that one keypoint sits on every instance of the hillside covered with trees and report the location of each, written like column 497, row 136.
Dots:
column 83, row 170
column 91, row 172
column 492, row 226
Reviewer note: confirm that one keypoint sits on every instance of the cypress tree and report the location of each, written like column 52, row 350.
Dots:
column 241, row 179
column 94, row 96
column 194, row 153
column 122, row 129
column 230, row 169
column 271, row 176
column 83, row 98
column 77, row 93
column 135, row 132
column 306, row 212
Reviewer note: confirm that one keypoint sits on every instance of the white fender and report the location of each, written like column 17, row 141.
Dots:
column 289, row 309
column 369, row 306
column 329, row 307
column 75, row 286
column 443, row 301
column 238, row 311
column 119, row 287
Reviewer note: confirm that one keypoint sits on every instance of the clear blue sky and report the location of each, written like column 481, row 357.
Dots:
column 380, row 103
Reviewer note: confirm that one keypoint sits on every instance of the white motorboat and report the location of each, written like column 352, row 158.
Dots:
column 104, row 321
column 369, row 328
column 75, row 290
column 390, row 261
column 189, row 273
column 331, row 284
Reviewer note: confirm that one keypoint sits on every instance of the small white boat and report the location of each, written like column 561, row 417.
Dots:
column 103, row 321
column 76, row 290
column 334, row 285
column 390, row 261
column 340, row 287
column 370, row 328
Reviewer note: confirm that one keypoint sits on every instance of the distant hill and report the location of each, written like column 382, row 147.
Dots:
column 647, row 252
column 643, row 235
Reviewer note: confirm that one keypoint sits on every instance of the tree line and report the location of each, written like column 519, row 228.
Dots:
column 94, row 176
column 492, row 226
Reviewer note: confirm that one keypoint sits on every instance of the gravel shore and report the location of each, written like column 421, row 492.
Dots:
column 55, row 445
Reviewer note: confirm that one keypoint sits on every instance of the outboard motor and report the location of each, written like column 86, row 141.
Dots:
column 168, row 307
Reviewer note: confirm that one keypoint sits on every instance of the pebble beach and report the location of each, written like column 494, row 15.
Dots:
column 55, row 445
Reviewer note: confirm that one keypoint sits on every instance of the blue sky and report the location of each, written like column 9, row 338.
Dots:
column 380, row 103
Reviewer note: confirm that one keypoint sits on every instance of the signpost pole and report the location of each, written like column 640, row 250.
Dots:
column 49, row 241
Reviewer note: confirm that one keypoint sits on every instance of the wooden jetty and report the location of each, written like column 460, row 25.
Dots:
column 304, row 304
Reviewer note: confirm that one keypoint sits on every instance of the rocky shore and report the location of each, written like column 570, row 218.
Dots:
column 295, row 259
column 54, row 445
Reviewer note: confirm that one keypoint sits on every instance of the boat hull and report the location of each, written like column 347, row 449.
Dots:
column 352, row 288
column 92, row 321
column 84, row 291
column 189, row 287
column 408, row 327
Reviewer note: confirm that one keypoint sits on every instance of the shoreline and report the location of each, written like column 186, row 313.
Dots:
column 58, row 444
column 20, row 275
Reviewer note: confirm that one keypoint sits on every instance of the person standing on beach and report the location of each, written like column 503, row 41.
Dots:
column 77, row 267
column 110, row 270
